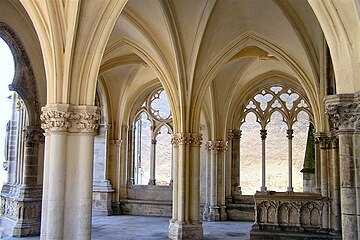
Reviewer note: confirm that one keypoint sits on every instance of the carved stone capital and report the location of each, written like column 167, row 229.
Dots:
column 84, row 119
column 322, row 139
column 55, row 119
column 33, row 134
column 233, row 134
column 193, row 139
column 263, row 134
column 344, row 111
column 217, row 146
column 69, row 118
column 290, row 134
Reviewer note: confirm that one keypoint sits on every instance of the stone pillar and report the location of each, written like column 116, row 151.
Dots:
column 214, row 214
column 21, row 211
column 324, row 143
column 229, row 168
column 102, row 189
column 263, row 134
column 131, row 154
column 335, row 212
column 152, row 180
column 114, row 174
column 344, row 113
column 185, row 222
column 221, row 156
column 317, row 166
column 235, row 161
column 290, row 137
column 68, row 169
column 217, row 209
column 207, row 182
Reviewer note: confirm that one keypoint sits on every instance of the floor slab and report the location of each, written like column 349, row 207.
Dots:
column 151, row 228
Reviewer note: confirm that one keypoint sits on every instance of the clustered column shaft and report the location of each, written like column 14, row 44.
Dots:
column 185, row 222
column 344, row 113
column 69, row 140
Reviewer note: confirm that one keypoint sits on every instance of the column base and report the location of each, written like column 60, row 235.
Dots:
column 290, row 189
column 152, row 182
column 20, row 217
column 102, row 198
column 263, row 189
column 223, row 213
column 205, row 215
column 214, row 213
column 181, row 230
column 238, row 190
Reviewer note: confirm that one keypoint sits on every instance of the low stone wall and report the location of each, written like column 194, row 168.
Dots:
column 242, row 208
column 147, row 200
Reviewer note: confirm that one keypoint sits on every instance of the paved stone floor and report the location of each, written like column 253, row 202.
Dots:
column 156, row 228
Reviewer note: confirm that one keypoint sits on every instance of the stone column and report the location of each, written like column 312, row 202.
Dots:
column 185, row 222
column 221, row 156
column 68, row 169
column 207, row 182
column 217, row 180
column 317, row 165
column 102, row 189
column 344, row 113
column 229, row 168
column 152, row 180
column 263, row 134
column 324, row 143
column 335, row 213
column 130, row 153
column 235, row 161
column 214, row 208
column 290, row 137
column 114, row 174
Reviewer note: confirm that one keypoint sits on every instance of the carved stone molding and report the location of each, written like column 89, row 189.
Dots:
column 193, row 139
column 55, row 121
column 84, row 122
column 115, row 141
column 68, row 118
column 263, row 134
column 344, row 111
column 24, row 82
column 217, row 146
column 33, row 134
column 322, row 139
column 293, row 212
column 233, row 134
column 290, row 134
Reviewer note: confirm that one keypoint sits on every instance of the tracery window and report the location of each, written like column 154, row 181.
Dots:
column 282, row 115
column 152, row 141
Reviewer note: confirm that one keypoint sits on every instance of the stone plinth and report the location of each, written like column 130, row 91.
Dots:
column 178, row 230
column 102, row 198
column 20, row 216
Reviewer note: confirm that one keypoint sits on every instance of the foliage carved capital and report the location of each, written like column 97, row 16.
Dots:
column 344, row 111
column 192, row 139
column 67, row 118
column 217, row 146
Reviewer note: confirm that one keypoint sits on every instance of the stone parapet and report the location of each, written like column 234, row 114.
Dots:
column 288, row 213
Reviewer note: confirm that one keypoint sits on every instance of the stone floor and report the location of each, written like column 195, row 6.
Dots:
column 151, row 228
